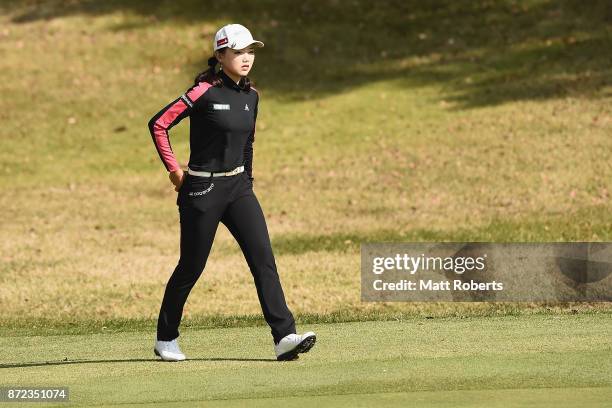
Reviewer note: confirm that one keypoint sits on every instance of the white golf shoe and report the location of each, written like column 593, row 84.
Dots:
column 291, row 345
column 168, row 350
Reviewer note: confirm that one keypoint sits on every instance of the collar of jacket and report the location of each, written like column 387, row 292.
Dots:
column 229, row 81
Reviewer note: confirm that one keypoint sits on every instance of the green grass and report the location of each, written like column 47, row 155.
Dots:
column 561, row 361
column 16, row 326
column 402, row 121
column 492, row 124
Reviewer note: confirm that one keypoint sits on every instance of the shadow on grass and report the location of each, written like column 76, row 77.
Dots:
column 128, row 360
column 594, row 221
column 479, row 52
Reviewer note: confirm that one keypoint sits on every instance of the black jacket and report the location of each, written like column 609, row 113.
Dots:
column 222, row 126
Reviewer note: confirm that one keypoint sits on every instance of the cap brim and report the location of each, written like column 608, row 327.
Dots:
column 241, row 46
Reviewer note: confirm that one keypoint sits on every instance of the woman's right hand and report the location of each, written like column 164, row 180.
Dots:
column 177, row 177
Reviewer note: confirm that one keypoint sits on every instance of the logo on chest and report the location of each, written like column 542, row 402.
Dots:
column 221, row 106
column 226, row 106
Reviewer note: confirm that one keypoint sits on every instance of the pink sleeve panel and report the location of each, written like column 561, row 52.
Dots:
column 195, row 92
column 160, row 131
column 170, row 116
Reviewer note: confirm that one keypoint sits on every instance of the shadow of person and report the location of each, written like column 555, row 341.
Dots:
column 129, row 360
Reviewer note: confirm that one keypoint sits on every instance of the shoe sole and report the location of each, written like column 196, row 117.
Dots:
column 157, row 354
column 304, row 347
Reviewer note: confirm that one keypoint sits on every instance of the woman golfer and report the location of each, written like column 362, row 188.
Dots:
column 218, row 187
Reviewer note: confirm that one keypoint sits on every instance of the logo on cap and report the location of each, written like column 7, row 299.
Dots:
column 222, row 41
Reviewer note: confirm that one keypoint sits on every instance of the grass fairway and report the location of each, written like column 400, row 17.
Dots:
column 412, row 121
column 480, row 121
column 537, row 360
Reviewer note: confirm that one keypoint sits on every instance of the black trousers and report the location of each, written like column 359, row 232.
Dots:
column 203, row 202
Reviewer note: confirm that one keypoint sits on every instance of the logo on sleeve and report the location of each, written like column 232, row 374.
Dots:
column 246, row 106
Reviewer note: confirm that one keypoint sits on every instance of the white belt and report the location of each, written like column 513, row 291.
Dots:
column 237, row 170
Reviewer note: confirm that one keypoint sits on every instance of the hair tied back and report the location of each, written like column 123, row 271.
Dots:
column 212, row 62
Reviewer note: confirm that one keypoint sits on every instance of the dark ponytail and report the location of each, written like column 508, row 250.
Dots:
column 212, row 76
column 209, row 75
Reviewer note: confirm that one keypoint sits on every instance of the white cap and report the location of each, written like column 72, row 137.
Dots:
column 234, row 36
